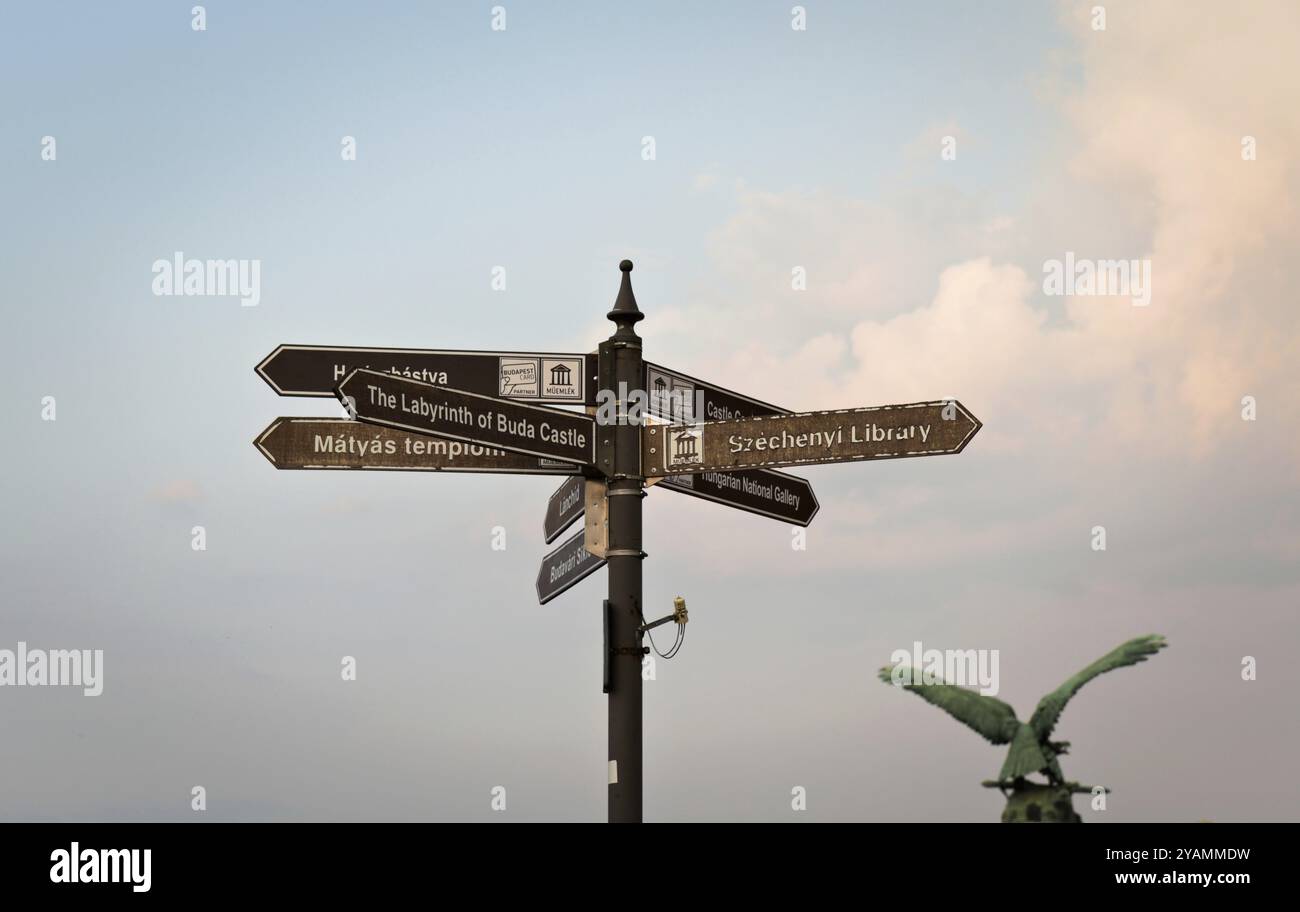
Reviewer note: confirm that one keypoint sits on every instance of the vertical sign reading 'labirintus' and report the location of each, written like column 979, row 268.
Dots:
column 408, row 405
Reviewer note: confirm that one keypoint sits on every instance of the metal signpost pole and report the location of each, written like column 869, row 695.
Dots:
column 619, row 455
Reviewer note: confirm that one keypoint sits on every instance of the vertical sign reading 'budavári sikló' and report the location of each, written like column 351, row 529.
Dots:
column 565, row 567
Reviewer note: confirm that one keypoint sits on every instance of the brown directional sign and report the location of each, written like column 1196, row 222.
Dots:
column 808, row 438
column 565, row 567
column 422, row 408
column 337, row 443
column 564, row 508
column 682, row 399
column 316, row 370
column 676, row 397
column 762, row 491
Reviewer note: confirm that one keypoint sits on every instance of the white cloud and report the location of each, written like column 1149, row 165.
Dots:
column 1094, row 410
column 178, row 491
column 1156, row 122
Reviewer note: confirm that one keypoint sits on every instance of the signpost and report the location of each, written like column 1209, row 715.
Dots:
column 679, row 399
column 336, row 443
column 620, row 368
column 564, row 508
column 315, row 370
column 808, row 438
column 409, row 405
column 565, row 567
column 468, row 411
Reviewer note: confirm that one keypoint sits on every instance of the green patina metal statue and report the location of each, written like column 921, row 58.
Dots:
column 1031, row 751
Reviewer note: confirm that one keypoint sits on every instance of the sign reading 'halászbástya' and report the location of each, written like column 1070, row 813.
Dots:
column 315, row 370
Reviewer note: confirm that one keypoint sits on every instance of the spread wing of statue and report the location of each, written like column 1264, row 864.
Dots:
column 1031, row 748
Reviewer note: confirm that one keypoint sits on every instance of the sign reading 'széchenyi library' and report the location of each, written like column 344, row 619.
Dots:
column 808, row 438
column 614, row 425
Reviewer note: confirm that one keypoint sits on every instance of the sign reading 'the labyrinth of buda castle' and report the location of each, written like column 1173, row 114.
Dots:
column 843, row 435
column 408, row 405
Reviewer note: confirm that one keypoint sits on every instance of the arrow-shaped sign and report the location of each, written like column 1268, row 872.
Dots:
column 315, row 370
column 422, row 408
column 808, row 438
column 337, row 443
column 676, row 397
column 762, row 491
column 566, row 566
column 564, row 508
column 679, row 398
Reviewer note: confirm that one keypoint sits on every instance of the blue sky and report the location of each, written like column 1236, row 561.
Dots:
column 522, row 149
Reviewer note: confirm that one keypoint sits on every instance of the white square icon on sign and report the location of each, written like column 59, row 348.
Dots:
column 685, row 446
column 519, row 378
column 562, row 378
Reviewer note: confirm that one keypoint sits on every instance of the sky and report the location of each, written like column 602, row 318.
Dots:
column 921, row 163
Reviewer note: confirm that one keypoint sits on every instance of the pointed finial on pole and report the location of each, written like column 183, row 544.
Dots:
column 625, row 313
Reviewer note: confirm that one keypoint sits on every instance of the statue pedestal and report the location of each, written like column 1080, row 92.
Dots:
column 1031, row 803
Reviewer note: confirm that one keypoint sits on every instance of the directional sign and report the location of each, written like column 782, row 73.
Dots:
column 564, row 567
column 679, row 398
column 337, row 443
column 409, row 405
column 315, row 370
column 564, row 508
column 807, row 438
column 773, row 494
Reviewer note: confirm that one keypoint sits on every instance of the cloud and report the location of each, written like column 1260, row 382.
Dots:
column 1094, row 410
column 705, row 181
column 1154, row 134
column 1168, row 97
column 178, row 491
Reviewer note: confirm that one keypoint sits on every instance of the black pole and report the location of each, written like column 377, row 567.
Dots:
column 621, row 374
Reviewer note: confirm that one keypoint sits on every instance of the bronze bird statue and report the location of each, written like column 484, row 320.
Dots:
column 1031, row 750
